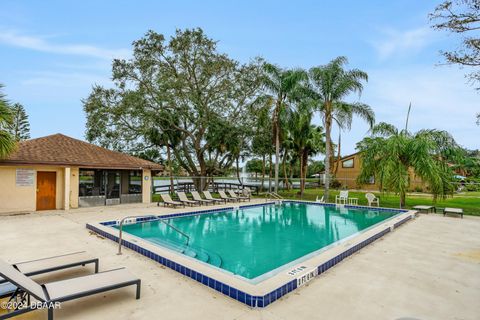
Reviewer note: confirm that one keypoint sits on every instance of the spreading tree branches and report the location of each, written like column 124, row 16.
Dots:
column 197, row 99
column 461, row 17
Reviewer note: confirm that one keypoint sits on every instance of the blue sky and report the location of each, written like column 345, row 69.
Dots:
column 52, row 52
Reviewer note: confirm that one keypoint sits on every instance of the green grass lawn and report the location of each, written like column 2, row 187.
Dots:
column 468, row 201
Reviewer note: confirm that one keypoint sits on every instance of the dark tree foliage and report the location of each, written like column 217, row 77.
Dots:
column 181, row 93
column 20, row 127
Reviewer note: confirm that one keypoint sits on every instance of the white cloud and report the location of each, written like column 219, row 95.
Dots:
column 403, row 42
column 38, row 43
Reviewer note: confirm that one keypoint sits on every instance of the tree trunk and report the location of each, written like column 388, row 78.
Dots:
column 277, row 153
column 402, row 199
column 270, row 174
column 238, row 171
column 304, row 170
column 328, row 128
column 170, row 171
column 337, row 163
column 263, row 173
column 301, row 173
column 285, row 169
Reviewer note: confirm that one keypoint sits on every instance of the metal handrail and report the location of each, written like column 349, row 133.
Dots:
column 274, row 195
column 121, row 229
column 178, row 230
column 144, row 216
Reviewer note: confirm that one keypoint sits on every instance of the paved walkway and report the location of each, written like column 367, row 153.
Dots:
column 427, row 269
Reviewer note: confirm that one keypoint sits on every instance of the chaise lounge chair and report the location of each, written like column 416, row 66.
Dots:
column 239, row 197
column 59, row 291
column 46, row 265
column 196, row 197
column 167, row 201
column 224, row 196
column 183, row 199
column 208, row 196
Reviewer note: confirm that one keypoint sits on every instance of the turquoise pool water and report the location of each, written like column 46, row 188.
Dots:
column 253, row 241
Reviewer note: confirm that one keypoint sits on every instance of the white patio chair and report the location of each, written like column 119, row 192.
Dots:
column 342, row 198
column 372, row 199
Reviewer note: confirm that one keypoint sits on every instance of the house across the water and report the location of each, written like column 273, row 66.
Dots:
column 59, row 172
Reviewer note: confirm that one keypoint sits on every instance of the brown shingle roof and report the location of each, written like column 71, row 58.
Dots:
column 59, row 149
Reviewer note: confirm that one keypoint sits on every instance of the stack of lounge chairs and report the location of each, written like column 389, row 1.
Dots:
column 197, row 200
column 16, row 282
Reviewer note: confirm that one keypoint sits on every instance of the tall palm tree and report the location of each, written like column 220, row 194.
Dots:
column 391, row 155
column 280, row 85
column 7, row 142
column 330, row 84
column 305, row 139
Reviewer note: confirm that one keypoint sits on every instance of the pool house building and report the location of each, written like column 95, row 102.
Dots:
column 59, row 172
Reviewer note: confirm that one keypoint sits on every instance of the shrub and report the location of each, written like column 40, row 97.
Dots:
column 335, row 184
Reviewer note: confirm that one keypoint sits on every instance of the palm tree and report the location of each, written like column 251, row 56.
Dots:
column 7, row 142
column 330, row 84
column 280, row 85
column 391, row 155
column 304, row 138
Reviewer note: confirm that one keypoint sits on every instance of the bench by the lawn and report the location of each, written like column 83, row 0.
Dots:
column 453, row 211
column 427, row 209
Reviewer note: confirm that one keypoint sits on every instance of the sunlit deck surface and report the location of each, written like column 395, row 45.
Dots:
column 428, row 269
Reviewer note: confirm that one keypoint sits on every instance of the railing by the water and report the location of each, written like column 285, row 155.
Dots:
column 214, row 187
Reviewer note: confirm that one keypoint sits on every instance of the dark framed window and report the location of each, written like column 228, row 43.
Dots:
column 347, row 163
column 91, row 183
column 135, row 182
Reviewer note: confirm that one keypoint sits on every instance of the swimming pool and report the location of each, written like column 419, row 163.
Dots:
column 250, row 242
column 250, row 250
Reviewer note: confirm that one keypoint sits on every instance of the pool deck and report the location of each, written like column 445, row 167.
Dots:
column 427, row 269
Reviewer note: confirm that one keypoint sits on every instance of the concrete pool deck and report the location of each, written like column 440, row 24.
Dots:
column 428, row 269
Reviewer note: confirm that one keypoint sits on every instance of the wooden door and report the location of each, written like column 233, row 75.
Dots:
column 46, row 190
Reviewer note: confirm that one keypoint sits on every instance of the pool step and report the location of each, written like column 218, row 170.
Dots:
column 191, row 251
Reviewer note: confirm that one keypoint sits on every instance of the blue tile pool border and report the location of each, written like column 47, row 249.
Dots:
column 234, row 293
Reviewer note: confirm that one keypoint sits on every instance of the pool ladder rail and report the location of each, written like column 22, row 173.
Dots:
column 273, row 196
column 156, row 218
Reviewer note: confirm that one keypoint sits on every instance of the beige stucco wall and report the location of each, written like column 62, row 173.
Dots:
column 146, row 186
column 14, row 198
column 74, row 172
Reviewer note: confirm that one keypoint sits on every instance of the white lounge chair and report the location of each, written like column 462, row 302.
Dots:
column 372, row 199
column 196, row 196
column 208, row 196
column 239, row 197
column 321, row 200
column 342, row 198
column 183, row 199
column 167, row 201
column 224, row 196
column 50, row 294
